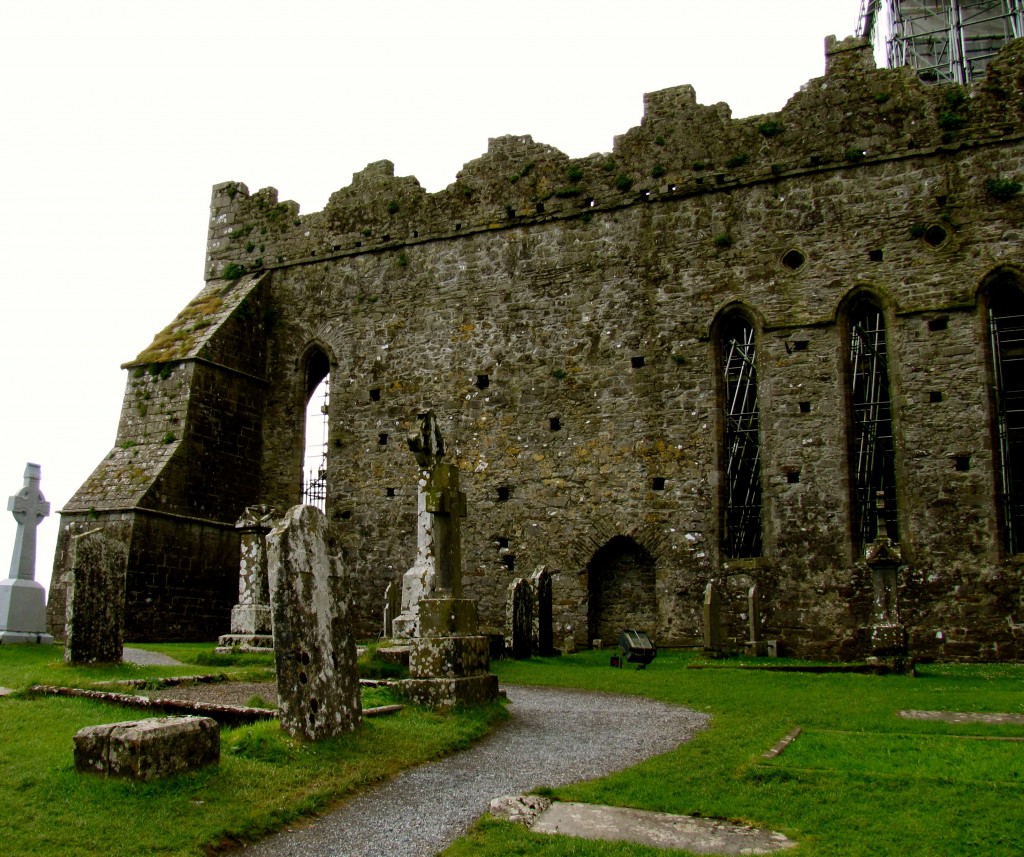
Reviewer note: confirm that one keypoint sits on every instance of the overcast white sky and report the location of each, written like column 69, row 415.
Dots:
column 116, row 118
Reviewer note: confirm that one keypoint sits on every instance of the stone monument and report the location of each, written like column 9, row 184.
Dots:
column 22, row 599
column 756, row 645
column 94, row 626
column 314, row 641
column 712, row 620
column 449, row 662
column 251, row 626
column 884, row 558
column 519, row 619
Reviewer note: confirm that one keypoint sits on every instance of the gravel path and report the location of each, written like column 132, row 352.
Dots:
column 552, row 737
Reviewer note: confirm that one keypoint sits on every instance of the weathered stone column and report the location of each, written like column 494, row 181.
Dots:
column 314, row 641
column 250, row 617
column 95, row 598
column 22, row 599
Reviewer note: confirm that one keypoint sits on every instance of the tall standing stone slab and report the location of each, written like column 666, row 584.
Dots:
column 314, row 641
column 543, row 613
column 884, row 557
column 94, row 624
column 755, row 644
column 392, row 607
column 251, row 623
column 712, row 620
column 22, row 599
column 519, row 619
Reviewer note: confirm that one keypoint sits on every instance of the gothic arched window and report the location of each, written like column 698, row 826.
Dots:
column 741, row 442
column 314, row 456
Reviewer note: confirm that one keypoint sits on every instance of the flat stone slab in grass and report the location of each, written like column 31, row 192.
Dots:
column 658, row 829
column 963, row 717
column 701, row 836
column 148, row 749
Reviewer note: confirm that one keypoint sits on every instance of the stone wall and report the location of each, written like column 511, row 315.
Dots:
column 560, row 318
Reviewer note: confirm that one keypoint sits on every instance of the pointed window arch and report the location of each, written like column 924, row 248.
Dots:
column 741, row 442
column 316, row 427
column 1005, row 311
column 872, row 458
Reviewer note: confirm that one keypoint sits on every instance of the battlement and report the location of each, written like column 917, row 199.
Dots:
column 854, row 115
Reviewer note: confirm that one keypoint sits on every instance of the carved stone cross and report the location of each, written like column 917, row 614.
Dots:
column 29, row 507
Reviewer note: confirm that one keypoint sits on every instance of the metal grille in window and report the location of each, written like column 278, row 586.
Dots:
column 314, row 481
column 741, row 513
column 873, row 462
column 1006, row 328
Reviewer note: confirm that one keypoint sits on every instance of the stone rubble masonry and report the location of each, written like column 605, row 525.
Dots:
column 95, row 599
column 148, row 749
column 314, row 643
column 561, row 314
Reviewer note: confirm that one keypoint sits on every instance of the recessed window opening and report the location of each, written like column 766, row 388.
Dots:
column 482, row 382
column 793, row 260
column 871, row 452
column 1006, row 337
column 741, row 506
column 934, row 235
column 316, row 429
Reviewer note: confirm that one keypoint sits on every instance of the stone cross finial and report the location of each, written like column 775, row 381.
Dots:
column 427, row 444
column 29, row 507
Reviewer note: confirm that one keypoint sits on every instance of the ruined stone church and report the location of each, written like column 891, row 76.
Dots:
column 729, row 351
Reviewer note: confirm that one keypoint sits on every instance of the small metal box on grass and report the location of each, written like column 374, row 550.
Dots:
column 637, row 648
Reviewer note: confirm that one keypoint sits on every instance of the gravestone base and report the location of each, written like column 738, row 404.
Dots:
column 148, row 749
column 447, row 693
column 756, row 649
column 449, row 657
column 228, row 643
column 888, row 640
column 23, row 612
column 394, row 654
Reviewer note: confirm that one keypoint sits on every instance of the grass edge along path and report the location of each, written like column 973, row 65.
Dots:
column 264, row 781
column 879, row 794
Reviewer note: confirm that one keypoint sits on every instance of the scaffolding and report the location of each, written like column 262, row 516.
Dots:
column 944, row 41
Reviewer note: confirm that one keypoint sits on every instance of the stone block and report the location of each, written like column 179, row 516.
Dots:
column 250, row 619
column 394, row 654
column 449, row 657
column 148, row 749
column 445, row 617
column 447, row 693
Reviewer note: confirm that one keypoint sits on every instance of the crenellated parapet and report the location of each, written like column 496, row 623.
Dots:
column 855, row 114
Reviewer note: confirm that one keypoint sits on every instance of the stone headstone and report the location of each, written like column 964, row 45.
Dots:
column 250, row 618
column 543, row 614
column 148, row 749
column 884, row 558
column 519, row 619
column 439, row 506
column 95, row 596
column 569, row 644
column 712, row 620
column 392, row 607
column 22, row 599
column 755, row 645
column 314, row 641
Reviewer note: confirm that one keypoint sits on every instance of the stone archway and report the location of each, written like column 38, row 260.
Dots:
column 621, row 590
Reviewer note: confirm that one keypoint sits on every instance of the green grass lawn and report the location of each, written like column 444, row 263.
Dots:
column 858, row 781
column 264, row 780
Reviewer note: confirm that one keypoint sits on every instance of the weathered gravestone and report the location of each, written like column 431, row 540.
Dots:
column 543, row 618
column 148, row 749
column 519, row 619
column 22, row 599
column 251, row 624
column 884, row 558
column 712, row 620
column 392, row 607
column 314, row 642
column 755, row 645
column 449, row 663
column 95, row 595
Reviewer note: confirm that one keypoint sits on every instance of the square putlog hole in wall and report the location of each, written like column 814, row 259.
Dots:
column 658, row 483
column 875, row 255
column 940, row 323
column 483, row 382
column 935, row 396
column 792, row 476
column 510, row 561
column 504, row 493
column 555, row 424
column 962, row 462
column 805, row 407
column 382, row 439
column 375, row 395
column 637, row 362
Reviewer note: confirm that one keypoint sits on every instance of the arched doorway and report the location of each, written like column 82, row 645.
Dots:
column 621, row 590
column 317, row 426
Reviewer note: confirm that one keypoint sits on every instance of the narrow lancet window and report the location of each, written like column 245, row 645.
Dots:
column 314, row 458
column 872, row 459
column 1006, row 330
column 741, row 505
